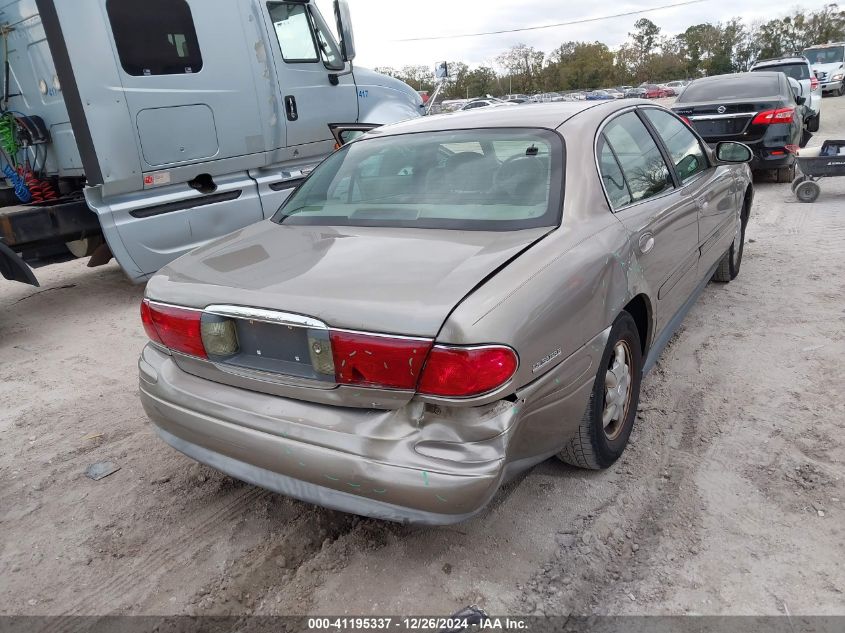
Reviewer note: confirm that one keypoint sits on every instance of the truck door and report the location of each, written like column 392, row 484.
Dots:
column 315, row 92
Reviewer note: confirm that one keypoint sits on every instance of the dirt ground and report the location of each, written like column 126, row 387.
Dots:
column 730, row 499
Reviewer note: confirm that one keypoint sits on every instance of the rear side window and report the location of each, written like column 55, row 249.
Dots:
column 642, row 163
column 155, row 37
column 612, row 177
column 293, row 31
column 796, row 71
column 728, row 88
column 682, row 144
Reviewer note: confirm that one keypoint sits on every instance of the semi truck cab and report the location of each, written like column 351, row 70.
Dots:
column 179, row 121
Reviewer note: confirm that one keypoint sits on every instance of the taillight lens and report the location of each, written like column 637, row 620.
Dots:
column 178, row 329
column 770, row 117
column 814, row 83
column 459, row 372
column 370, row 360
column 686, row 120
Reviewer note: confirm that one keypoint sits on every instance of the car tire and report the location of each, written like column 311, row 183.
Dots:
column 841, row 90
column 814, row 123
column 786, row 174
column 808, row 191
column 596, row 444
column 729, row 265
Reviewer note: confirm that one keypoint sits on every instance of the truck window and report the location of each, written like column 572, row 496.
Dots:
column 155, row 37
column 293, row 31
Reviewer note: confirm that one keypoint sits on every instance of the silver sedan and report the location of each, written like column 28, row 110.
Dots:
column 444, row 303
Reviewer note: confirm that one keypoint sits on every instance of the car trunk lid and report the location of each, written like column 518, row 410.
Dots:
column 296, row 281
column 717, row 121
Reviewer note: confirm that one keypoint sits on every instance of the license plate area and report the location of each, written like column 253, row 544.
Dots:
column 276, row 344
column 723, row 127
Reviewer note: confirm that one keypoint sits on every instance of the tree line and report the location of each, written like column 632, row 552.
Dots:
column 647, row 55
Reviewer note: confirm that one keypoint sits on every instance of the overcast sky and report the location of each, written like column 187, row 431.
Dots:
column 378, row 23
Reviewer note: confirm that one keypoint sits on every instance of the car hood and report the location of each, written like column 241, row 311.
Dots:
column 390, row 280
column 826, row 68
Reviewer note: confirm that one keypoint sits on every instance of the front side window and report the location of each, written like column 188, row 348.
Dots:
column 642, row 163
column 293, row 30
column 489, row 179
column 154, row 37
column 683, row 146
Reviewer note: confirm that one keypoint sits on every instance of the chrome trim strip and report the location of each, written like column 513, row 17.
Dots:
column 422, row 339
column 266, row 316
column 711, row 117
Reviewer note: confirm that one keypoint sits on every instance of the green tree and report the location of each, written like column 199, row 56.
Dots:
column 524, row 65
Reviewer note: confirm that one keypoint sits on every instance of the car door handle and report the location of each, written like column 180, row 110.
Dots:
column 290, row 108
column 646, row 242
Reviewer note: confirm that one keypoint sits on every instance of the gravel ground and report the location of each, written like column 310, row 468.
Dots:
column 730, row 499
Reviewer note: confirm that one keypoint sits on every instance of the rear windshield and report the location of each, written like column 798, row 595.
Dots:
column 826, row 55
column 796, row 70
column 730, row 88
column 485, row 180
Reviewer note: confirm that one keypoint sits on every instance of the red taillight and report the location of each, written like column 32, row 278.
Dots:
column 377, row 361
column 770, row 117
column 175, row 328
column 792, row 149
column 814, row 83
column 459, row 372
column 686, row 120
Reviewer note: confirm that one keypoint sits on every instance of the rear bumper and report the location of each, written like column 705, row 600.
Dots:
column 418, row 464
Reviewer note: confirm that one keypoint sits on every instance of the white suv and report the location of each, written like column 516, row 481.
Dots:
column 798, row 68
column 828, row 62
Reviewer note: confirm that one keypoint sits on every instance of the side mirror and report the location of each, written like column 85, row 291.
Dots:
column 344, row 30
column 732, row 152
column 800, row 100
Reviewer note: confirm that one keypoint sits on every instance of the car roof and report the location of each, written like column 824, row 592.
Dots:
column 798, row 59
column 540, row 115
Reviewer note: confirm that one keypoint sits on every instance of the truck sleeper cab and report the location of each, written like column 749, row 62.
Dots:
column 186, row 120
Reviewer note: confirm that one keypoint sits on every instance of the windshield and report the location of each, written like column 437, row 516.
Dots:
column 826, row 55
column 489, row 179
column 730, row 88
column 796, row 71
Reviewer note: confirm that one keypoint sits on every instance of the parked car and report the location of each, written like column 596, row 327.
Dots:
column 828, row 63
column 667, row 91
column 599, row 95
column 676, row 86
column 547, row 97
column 484, row 103
column 653, row 91
column 799, row 69
column 635, row 93
column 759, row 109
column 616, row 94
column 521, row 97
column 433, row 310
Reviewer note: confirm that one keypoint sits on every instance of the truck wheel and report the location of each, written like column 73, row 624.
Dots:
column 814, row 123
column 841, row 90
column 606, row 426
column 728, row 267
column 808, row 191
column 798, row 180
column 85, row 247
column 786, row 174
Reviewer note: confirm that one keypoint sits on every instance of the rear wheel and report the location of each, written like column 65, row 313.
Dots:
column 606, row 426
column 786, row 174
column 807, row 191
column 728, row 268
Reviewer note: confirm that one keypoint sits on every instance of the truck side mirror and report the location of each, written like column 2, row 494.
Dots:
column 344, row 30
